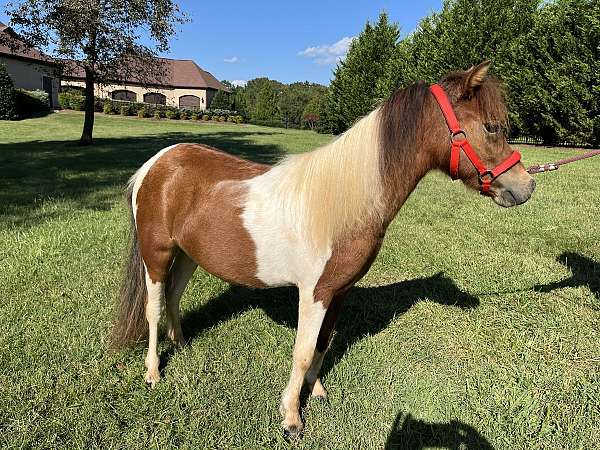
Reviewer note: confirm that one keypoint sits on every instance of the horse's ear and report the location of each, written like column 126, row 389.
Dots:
column 474, row 77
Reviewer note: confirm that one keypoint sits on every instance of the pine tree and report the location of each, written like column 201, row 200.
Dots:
column 353, row 91
column 7, row 95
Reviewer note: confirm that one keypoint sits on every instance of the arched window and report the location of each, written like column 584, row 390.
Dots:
column 189, row 101
column 125, row 95
column 155, row 98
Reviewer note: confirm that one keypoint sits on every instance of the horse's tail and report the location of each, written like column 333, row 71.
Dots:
column 130, row 326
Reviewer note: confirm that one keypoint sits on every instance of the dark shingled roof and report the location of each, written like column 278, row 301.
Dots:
column 17, row 49
column 179, row 73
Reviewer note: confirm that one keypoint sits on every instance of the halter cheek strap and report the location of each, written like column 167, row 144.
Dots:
column 459, row 140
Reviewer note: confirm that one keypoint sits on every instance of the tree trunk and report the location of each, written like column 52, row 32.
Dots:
column 88, row 124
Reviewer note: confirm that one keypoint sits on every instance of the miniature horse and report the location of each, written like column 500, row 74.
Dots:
column 315, row 220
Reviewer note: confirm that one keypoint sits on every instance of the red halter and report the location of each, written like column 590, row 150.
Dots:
column 458, row 137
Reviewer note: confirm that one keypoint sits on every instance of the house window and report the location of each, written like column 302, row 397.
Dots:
column 155, row 98
column 122, row 94
column 189, row 101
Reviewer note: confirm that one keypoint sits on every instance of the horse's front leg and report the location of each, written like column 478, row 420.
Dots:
column 310, row 318
column 312, row 378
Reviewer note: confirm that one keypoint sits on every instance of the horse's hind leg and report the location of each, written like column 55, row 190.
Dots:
column 156, row 294
column 181, row 271
column 157, row 266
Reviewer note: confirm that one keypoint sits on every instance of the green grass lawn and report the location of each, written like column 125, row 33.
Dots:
column 477, row 327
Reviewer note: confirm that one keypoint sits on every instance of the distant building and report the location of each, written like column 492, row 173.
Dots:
column 29, row 68
column 183, row 84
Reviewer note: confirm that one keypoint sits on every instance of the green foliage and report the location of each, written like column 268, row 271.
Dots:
column 184, row 115
column 30, row 103
column 313, row 111
column 158, row 115
column 142, row 112
column 125, row 110
column 72, row 100
column 172, row 114
column 205, row 117
column 353, row 91
column 7, row 96
column 220, row 100
column 266, row 103
column 546, row 53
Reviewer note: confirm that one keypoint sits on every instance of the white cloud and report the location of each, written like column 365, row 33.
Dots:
column 241, row 83
column 231, row 60
column 328, row 54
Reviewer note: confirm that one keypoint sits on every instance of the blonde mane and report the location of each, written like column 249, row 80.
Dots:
column 334, row 189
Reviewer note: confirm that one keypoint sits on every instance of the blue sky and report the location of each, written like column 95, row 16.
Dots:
column 283, row 40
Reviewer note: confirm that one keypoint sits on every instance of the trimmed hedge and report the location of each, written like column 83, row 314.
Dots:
column 7, row 96
column 74, row 100
column 31, row 102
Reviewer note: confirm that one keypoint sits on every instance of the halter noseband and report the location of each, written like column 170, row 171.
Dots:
column 458, row 137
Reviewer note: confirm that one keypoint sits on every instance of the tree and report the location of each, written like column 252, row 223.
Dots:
column 7, row 95
column 252, row 90
column 311, row 115
column 353, row 91
column 102, row 37
column 293, row 100
column 266, row 104
column 220, row 100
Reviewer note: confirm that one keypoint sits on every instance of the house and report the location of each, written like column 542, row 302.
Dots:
column 183, row 84
column 28, row 68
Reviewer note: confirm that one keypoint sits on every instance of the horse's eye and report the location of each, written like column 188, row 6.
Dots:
column 492, row 128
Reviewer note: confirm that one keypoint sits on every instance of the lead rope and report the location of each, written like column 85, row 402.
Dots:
column 548, row 167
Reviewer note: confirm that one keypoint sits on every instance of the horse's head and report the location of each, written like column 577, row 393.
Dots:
column 478, row 103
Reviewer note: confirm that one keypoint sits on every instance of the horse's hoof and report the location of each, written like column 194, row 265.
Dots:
column 292, row 432
column 152, row 377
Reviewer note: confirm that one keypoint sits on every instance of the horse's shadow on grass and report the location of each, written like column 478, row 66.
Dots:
column 408, row 433
column 366, row 310
column 585, row 272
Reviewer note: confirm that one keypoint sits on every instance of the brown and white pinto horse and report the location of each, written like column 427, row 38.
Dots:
column 315, row 220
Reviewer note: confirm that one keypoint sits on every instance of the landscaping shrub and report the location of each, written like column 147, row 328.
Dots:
column 195, row 116
column 172, row 114
column 31, row 102
column 125, row 110
column 7, row 96
column 184, row 115
column 157, row 115
column 142, row 112
column 205, row 117
column 108, row 108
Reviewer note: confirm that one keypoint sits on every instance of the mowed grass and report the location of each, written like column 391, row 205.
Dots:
column 477, row 326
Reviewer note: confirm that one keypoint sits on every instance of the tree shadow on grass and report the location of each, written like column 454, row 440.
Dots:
column 93, row 177
column 408, row 433
column 366, row 310
column 585, row 272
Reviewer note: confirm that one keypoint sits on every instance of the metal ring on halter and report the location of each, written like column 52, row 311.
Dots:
column 486, row 173
column 454, row 138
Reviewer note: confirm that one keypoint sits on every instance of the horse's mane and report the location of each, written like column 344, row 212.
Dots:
column 401, row 115
column 334, row 189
